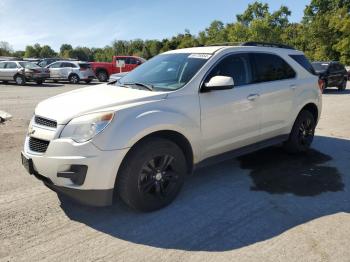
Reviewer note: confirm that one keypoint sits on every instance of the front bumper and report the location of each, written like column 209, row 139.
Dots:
column 60, row 158
column 35, row 77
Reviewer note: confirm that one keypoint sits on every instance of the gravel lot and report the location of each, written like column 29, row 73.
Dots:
column 266, row 206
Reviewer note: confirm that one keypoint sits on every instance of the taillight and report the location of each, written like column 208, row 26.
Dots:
column 321, row 84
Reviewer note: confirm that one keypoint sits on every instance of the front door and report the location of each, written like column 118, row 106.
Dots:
column 276, row 82
column 230, row 119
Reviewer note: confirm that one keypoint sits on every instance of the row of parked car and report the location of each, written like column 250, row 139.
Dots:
column 330, row 73
column 56, row 69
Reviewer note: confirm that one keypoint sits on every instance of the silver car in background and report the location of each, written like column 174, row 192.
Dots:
column 73, row 71
column 22, row 71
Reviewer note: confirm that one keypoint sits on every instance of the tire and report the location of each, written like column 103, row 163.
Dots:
column 302, row 134
column 142, row 183
column 342, row 87
column 74, row 79
column 20, row 80
column 40, row 82
column 88, row 81
column 102, row 76
column 55, row 81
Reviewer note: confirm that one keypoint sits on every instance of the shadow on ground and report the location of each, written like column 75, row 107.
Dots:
column 236, row 203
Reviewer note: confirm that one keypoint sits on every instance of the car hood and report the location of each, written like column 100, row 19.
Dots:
column 66, row 106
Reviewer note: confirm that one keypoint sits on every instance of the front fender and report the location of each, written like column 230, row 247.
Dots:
column 128, row 128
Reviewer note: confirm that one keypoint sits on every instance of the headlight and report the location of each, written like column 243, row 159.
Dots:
column 83, row 128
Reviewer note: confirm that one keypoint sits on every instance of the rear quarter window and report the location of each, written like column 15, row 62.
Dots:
column 304, row 62
column 270, row 67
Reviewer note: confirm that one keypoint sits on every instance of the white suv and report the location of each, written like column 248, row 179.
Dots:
column 73, row 71
column 140, row 136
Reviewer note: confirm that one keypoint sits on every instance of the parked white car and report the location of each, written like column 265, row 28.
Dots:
column 22, row 71
column 73, row 71
column 182, row 109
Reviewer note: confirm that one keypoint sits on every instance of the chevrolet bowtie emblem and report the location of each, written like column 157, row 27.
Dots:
column 31, row 131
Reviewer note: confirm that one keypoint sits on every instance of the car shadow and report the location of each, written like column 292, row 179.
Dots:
column 30, row 84
column 236, row 203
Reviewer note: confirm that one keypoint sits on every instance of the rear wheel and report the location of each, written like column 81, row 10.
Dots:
column 20, row 80
column 342, row 87
column 152, row 175
column 74, row 79
column 102, row 76
column 302, row 134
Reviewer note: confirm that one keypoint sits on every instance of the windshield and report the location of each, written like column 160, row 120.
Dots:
column 320, row 66
column 28, row 65
column 166, row 72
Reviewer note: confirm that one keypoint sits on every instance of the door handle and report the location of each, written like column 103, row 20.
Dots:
column 252, row 97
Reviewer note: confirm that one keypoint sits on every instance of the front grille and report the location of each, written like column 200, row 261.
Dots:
column 38, row 145
column 45, row 122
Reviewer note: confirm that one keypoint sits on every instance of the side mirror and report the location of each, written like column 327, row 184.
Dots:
column 219, row 83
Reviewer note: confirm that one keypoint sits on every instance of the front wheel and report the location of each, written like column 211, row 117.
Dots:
column 302, row 134
column 152, row 175
column 20, row 80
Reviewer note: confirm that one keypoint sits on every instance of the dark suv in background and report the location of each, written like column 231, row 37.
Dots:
column 332, row 74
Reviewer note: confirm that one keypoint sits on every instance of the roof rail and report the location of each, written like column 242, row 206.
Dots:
column 226, row 44
column 253, row 43
column 265, row 44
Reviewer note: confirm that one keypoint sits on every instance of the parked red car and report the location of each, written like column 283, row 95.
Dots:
column 119, row 64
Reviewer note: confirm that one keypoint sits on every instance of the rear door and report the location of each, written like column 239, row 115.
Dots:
column 276, row 82
column 10, row 70
column 333, row 75
column 66, row 69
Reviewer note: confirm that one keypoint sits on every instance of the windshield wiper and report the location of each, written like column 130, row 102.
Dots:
column 147, row 86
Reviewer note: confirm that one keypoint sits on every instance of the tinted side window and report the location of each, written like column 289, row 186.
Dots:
column 2, row 65
column 270, row 67
column 236, row 66
column 304, row 62
column 11, row 65
column 133, row 61
column 67, row 65
column 55, row 65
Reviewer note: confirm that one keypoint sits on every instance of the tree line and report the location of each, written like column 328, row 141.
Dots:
column 323, row 34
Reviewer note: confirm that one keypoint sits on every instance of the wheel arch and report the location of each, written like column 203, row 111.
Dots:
column 313, row 109
column 100, row 69
column 174, row 136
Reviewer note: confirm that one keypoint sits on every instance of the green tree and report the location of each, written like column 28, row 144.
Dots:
column 66, row 51
column 5, row 48
column 47, row 51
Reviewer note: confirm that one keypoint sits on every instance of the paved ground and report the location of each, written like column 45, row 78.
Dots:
column 266, row 206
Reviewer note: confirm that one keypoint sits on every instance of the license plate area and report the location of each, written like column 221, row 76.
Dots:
column 27, row 164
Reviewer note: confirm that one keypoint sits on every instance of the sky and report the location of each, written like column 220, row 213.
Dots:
column 96, row 23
